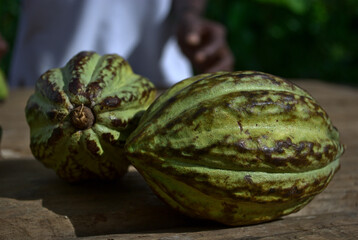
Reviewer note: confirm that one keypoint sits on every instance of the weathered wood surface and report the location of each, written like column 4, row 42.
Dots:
column 35, row 204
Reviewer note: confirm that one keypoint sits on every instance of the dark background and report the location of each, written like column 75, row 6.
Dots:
column 290, row 38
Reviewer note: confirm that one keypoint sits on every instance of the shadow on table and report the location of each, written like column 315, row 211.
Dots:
column 95, row 208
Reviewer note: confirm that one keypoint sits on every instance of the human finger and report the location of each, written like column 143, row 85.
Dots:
column 214, row 42
column 223, row 62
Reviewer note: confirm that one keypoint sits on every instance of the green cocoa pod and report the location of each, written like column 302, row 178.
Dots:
column 4, row 92
column 81, row 115
column 0, row 141
column 238, row 148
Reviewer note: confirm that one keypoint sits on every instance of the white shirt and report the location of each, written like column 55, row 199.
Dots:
column 50, row 32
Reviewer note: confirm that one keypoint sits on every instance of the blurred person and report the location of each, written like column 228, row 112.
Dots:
column 161, row 39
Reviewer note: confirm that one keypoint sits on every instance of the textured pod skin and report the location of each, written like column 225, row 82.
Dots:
column 238, row 148
column 103, row 87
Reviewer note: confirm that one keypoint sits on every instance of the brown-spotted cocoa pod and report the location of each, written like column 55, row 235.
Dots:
column 238, row 148
column 81, row 115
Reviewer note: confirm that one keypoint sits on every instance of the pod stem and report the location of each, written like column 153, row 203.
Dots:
column 82, row 117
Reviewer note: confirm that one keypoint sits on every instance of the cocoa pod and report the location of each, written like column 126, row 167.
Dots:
column 238, row 148
column 81, row 115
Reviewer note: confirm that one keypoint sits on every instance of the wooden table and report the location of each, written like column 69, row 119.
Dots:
column 35, row 204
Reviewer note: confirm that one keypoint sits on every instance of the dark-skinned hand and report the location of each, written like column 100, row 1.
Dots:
column 204, row 43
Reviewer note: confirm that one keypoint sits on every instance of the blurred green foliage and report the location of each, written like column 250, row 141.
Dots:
column 289, row 38
column 293, row 38
column 9, row 14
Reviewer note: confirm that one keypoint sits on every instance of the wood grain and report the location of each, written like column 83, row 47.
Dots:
column 35, row 204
